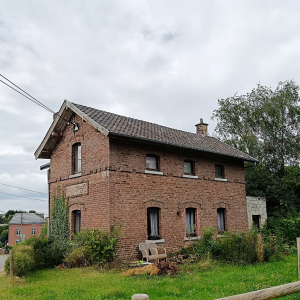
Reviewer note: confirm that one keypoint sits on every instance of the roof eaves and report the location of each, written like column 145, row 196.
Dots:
column 184, row 147
column 67, row 104
column 88, row 119
column 37, row 153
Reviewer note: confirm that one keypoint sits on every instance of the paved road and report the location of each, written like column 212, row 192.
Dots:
column 2, row 262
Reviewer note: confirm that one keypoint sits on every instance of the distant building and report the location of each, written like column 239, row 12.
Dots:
column 22, row 226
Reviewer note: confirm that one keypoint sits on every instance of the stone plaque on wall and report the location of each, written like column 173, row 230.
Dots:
column 76, row 190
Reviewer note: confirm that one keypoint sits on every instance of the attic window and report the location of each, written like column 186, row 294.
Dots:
column 152, row 162
column 220, row 171
column 76, row 149
column 188, row 167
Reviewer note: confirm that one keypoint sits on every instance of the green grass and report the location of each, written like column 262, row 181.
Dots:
column 221, row 280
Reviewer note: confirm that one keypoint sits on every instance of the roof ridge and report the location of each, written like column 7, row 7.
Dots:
column 195, row 134
column 162, row 134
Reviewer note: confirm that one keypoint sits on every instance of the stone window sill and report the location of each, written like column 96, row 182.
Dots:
column 154, row 172
column 75, row 175
column 189, row 176
column 220, row 179
column 155, row 241
column 194, row 238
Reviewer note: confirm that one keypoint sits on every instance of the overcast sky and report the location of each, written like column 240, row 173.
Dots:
column 166, row 62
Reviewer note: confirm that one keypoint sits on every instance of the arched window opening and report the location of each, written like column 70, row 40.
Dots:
column 190, row 221
column 221, row 219
column 153, row 223
column 77, row 221
column 76, row 149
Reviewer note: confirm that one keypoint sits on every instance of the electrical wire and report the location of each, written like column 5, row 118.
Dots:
column 29, row 95
column 34, row 100
column 23, row 197
column 23, row 189
column 25, row 96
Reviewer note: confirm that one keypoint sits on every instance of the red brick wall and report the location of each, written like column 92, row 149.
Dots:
column 132, row 191
column 129, row 155
column 94, row 151
column 25, row 229
column 122, row 194
column 94, row 205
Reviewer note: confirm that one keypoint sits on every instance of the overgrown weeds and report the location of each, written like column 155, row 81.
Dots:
column 238, row 248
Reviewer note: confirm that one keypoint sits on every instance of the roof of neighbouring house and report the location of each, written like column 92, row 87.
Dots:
column 115, row 125
column 26, row 218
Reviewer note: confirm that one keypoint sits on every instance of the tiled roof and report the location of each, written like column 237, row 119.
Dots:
column 129, row 127
column 26, row 218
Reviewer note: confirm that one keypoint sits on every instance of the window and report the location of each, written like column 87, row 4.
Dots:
column 221, row 219
column 76, row 149
column 190, row 221
column 152, row 162
column 153, row 223
column 18, row 231
column 77, row 221
column 255, row 221
column 220, row 171
column 188, row 167
column 17, row 241
column 32, row 231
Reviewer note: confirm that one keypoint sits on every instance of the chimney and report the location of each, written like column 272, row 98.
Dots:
column 201, row 128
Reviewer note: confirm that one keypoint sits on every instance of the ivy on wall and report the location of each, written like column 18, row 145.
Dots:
column 60, row 232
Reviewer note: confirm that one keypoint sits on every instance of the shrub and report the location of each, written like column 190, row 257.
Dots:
column 238, row 248
column 205, row 247
column 100, row 246
column 37, row 252
column 23, row 260
column 78, row 257
column 46, row 253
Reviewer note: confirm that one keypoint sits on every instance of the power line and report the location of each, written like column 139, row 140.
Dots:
column 23, row 189
column 22, row 197
column 34, row 100
column 25, row 96
column 28, row 95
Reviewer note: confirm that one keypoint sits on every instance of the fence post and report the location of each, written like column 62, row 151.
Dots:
column 11, row 263
column 140, row 297
column 298, row 252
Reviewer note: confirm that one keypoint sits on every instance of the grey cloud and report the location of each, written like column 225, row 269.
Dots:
column 167, row 62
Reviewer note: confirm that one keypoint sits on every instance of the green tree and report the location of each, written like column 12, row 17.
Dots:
column 265, row 123
column 2, row 220
column 10, row 213
column 4, row 236
column 280, row 192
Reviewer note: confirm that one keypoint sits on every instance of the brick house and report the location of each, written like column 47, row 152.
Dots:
column 22, row 226
column 161, row 183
